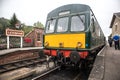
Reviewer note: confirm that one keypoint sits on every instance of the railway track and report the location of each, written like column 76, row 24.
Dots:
column 20, row 63
column 50, row 74
column 66, row 74
column 63, row 74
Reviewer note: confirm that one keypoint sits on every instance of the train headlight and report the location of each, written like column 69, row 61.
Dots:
column 79, row 44
column 46, row 44
column 61, row 44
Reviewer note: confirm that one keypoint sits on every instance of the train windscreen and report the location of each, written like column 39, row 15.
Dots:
column 62, row 25
column 77, row 23
column 50, row 26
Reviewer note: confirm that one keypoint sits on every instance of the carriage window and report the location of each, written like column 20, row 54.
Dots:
column 77, row 23
column 97, row 31
column 50, row 26
column 62, row 25
column 93, row 25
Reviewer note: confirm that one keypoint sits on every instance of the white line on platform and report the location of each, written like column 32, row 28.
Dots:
column 99, row 54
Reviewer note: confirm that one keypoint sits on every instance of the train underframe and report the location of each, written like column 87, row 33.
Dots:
column 72, row 58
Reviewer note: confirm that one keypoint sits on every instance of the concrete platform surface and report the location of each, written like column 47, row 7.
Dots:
column 2, row 52
column 97, row 72
column 107, row 65
column 112, row 64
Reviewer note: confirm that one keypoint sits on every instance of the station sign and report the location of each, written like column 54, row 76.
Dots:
column 11, row 32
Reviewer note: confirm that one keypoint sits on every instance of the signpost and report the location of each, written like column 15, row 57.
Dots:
column 17, row 33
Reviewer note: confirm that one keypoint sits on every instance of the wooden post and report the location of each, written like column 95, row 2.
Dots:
column 21, row 43
column 8, row 42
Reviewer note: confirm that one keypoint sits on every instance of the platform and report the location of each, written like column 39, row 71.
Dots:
column 112, row 64
column 6, row 51
column 107, row 65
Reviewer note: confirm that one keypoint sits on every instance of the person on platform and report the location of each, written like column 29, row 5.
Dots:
column 116, row 41
column 110, row 40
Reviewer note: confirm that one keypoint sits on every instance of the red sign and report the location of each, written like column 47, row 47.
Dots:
column 11, row 32
column 27, row 40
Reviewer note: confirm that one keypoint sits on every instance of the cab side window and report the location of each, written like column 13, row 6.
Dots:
column 93, row 24
column 95, row 28
column 92, row 28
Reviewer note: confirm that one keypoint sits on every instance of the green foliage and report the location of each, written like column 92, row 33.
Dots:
column 14, row 21
column 26, row 29
column 39, row 25
column 1, row 29
column 4, row 23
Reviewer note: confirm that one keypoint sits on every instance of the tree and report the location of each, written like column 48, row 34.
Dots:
column 14, row 21
column 38, row 24
column 4, row 23
column 1, row 29
column 26, row 28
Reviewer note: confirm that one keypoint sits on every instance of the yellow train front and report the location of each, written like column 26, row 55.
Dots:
column 72, row 34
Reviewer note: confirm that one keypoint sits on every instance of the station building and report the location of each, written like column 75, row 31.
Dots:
column 34, row 37
column 115, row 24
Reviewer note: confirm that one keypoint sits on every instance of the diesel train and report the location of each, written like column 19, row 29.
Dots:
column 72, row 35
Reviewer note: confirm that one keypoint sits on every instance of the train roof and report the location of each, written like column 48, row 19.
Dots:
column 73, row 8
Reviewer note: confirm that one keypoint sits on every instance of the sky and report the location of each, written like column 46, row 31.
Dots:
column 31, row 11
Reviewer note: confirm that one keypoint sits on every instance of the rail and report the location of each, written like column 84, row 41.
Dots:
column 19, row 64
column 46, row 73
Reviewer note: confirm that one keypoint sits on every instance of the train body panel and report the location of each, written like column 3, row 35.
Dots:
column 65, row 40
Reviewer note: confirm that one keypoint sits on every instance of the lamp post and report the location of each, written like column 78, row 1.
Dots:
column 18, row 26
